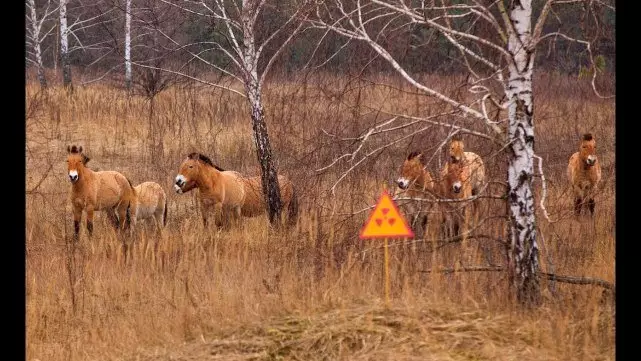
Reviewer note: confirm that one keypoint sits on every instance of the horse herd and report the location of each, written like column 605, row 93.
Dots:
column 229, row 195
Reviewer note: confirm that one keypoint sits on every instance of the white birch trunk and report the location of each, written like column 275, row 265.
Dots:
column 523, row 258
column 128, row 45
column 64, row 45
column 269, row 176
column 35, row 38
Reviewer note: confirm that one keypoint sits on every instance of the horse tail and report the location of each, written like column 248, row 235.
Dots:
column 134, row 199
column 128, row 215
column 292, row 207
column 131, row 185
column 164, row 215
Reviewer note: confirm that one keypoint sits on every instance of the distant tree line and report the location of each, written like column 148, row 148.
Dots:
column 97, row 33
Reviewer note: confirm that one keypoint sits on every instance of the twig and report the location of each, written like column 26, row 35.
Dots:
column 549, row 276
column 44, row 176
column 466, row 269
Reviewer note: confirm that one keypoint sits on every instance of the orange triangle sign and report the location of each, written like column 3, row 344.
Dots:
column 385, row 221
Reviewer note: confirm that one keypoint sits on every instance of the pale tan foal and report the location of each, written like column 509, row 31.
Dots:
column 471, row 160
column 91, row 191
column 462, row 177
column 152, row 203
column 584, row 174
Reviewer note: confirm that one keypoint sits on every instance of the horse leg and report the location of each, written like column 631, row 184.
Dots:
column 424, row 223
column 415, row 226
column 111, row 215
column 578, row 203
column 158, row 219
column 591, row 205
column 219, row 215
column 132, row 215
column 237, row 216
column 90, row 210
column 121, row 210
column 204, row 210
column 77, row 216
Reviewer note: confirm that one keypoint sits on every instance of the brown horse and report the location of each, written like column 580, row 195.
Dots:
column 92, row 191
column 228, row 193
column 584, row 173
column 152, row 203
column 415, row 181
column 463, row 176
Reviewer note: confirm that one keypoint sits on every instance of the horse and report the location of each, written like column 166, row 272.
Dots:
column 584, row 173
column 462, row 176
column 415, row 181
column 228, row 193
column 471, row 160
column 91, row 191
column 151, row 203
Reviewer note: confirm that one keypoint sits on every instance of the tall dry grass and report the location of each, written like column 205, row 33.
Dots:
column 313, row 292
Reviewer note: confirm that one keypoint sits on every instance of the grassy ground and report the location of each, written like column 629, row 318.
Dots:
column 313, row 292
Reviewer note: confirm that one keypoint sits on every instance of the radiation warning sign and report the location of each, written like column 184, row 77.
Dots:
column 385, row 221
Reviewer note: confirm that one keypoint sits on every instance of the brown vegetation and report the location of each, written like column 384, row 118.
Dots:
column 313, row 292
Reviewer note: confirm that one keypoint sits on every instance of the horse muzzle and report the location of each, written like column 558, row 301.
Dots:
column 590, row 161
column 456, row 188
column 73, row 176
column 180, row 183
column 402, row 183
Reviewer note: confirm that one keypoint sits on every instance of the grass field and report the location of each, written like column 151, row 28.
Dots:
column 313, row 292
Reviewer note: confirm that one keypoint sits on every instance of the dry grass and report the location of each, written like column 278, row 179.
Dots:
column 314, row 292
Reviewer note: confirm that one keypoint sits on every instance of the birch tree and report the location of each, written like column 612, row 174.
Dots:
column 64, row 45
column 128, row 44
column 76, row 19
column 500, row 64
column 250, row 44
column 38, row 29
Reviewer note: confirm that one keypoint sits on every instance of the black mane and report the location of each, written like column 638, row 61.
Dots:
column 205, row 159
column 413, row 155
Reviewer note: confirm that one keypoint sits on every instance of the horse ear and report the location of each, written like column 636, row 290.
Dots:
column 68, row 149
column 80, row 149
column 85, row 159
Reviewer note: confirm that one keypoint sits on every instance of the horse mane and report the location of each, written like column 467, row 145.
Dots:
column 413, row 155
column 205, row 159
column 587, row 137
column 78, row 150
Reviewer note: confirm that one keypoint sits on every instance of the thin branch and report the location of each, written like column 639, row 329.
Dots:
column 190, row 77
column 465, row 269
column 548, row 276
column 589, row 49
column 544, row 188
column 44, row 176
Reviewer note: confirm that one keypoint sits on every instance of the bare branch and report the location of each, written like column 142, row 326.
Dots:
column 191, row 77
column 544, row 188
column 588, row 47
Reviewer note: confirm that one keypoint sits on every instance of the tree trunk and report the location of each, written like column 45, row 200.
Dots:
column 35, row 28
column 64, row 46
column 524, row 256
column 128, row 45
column 268, row 173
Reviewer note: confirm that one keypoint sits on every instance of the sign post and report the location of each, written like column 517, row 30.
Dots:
column 385, row 221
